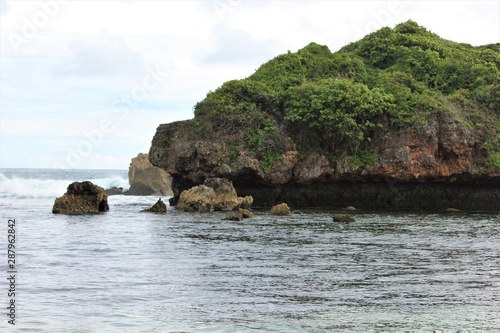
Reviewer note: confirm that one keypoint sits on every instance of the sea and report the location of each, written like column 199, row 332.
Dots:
column 127, row 271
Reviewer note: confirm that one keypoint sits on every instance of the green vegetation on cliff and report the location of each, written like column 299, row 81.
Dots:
column 334, row 102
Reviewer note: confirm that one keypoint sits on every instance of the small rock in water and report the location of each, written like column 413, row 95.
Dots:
column 453, row 210
column 281, row 210
column 240, row 215
column 343, row 218
column 114, row 190
column 351, row 208
column 158, row 207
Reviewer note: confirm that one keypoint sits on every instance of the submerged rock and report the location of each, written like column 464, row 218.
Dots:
column 240, row 215
column 158, row 207
column 115, row 190
column 82, row 198
column 281, row 210
column 343, row 218
column 215, row 194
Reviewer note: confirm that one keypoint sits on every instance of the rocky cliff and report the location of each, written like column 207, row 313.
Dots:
column 360, row 127
column 428, row 167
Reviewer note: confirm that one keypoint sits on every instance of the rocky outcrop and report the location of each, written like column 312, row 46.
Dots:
column 82, row 198
column 146, row 179
column 158, row 207
column 215, row 194
column 281, row 210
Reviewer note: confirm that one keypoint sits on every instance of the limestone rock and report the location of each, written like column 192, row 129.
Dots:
column 245, row 202
column 313, row 168
column 146, row 179
column 82, row 198
column 158, row 207
column 197, row 199
column 225, row 195
column 281, row 210
column 215, row 194
column 343, row 218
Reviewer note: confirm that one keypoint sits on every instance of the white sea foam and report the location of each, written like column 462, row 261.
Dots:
column 14, row 186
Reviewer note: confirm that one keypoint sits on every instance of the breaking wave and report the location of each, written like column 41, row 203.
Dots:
column 20, row 187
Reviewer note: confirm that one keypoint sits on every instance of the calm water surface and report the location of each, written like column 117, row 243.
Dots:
column 126, row 271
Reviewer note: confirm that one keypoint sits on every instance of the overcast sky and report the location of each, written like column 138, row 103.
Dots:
column 84, row 84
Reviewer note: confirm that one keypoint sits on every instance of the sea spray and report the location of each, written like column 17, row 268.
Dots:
column 39, row 185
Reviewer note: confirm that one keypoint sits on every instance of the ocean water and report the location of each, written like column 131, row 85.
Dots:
column 126, row 271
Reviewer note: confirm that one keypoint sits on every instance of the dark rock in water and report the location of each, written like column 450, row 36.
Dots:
column 115, row 191
column 343, row 218
column 453, row 210
column 158, row 207
column 240, row 215
column 82, row 198
column 281, row 210
column 234, row 217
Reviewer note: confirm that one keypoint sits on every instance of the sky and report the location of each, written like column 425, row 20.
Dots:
column 85, row 84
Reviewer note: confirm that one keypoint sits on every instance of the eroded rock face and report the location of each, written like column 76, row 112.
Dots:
column 82, row 198
column 439, row 149
column 215, row 194
column 146, row 179
column 313, row 168
column 427, row 160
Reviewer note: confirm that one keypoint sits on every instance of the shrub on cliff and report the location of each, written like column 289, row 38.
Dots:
column 339, row 108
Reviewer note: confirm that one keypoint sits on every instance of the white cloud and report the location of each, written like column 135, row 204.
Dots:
column 4, row 7
column 109, row 56
column 239, row 47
